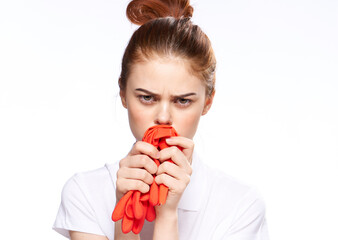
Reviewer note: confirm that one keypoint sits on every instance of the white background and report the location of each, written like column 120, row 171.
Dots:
column 274, row 122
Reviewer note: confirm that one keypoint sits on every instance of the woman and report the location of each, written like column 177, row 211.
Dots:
column 167, row 78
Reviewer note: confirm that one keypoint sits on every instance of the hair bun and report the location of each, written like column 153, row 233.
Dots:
column 142, row 11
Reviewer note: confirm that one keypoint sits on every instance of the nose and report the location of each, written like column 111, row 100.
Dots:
column 163, row 114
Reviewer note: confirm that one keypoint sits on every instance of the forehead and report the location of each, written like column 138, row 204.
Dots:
column 160, row 73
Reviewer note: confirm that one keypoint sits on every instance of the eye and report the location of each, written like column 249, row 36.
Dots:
column 146, row 98
column 183, row 102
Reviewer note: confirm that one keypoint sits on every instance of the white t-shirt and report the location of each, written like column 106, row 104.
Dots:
column 213, row 206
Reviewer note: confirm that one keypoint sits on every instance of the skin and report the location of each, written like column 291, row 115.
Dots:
column 160, row 90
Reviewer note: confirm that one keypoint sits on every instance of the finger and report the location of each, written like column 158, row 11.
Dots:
column 183, row 142
column 124, row 185
column 139, row 161
column 141, row 147
column 176, row 155
column 174, row 170
column 136, row 174
column 173, row 184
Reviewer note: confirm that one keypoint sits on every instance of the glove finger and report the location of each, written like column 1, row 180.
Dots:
column 138, row 223
column 137, row 205
column 127, row 224
column 129, row 207
column 151, row 214
column 145, row 197
column 153, row 197
column 120, row 206
column 163, row 193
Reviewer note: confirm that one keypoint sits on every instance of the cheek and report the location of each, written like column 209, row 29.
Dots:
column 139, row 121
column 187, row 123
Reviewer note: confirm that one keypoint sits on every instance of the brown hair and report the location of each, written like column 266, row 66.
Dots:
column 166, row 30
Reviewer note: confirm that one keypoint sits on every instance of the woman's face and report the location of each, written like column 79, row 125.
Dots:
column 163, row 91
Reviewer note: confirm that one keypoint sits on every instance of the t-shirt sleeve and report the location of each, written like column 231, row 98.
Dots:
column 248, row 221
column 75, row 212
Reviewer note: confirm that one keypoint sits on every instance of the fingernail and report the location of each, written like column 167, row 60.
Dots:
column 157, row 155
column 169, row 140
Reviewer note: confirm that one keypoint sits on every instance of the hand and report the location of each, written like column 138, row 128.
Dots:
column 176, row 175
column 136, row 169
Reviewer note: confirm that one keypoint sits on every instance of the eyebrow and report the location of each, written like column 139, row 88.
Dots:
column 157, row 95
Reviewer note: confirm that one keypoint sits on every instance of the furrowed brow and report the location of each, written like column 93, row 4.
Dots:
column 146, row 91
column 175, row 96
column 185, row 95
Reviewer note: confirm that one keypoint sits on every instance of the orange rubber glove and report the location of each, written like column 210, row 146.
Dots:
column 134, row 207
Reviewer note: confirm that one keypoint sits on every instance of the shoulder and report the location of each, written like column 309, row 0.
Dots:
column 229, row 193
column 97, row 186
column 87, row 181
column 227, row 186
column 238, row 207
column 87, row 200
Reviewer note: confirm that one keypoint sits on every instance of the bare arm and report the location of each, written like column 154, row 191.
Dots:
column 166, row 226
column 119, row 235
